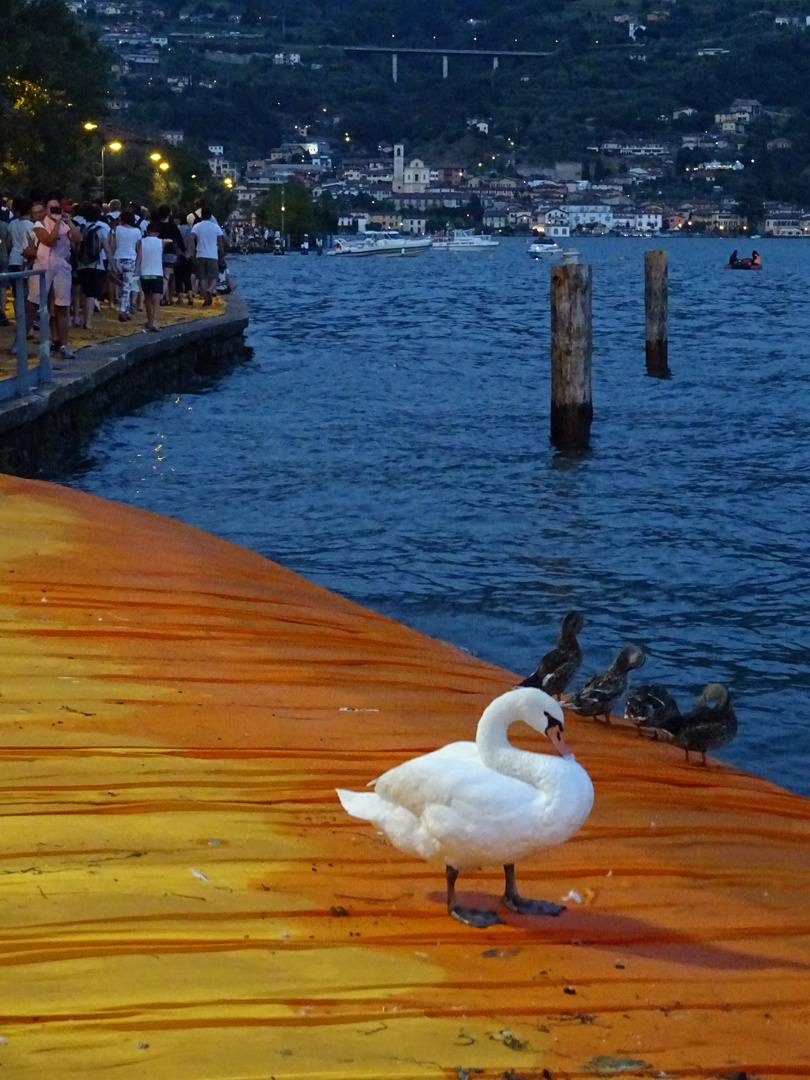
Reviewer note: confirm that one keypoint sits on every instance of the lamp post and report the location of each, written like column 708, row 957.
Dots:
column 282, row 215
column 115, row 147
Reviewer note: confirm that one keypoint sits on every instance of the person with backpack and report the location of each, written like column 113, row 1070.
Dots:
column 93, row 255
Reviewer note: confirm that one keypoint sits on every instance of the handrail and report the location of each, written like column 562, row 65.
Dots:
column 26, row 378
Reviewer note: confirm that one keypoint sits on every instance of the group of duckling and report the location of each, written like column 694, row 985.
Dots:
column 708, row 726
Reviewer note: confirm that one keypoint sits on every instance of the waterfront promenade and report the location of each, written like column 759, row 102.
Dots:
column 184, row 897
column 106, row 327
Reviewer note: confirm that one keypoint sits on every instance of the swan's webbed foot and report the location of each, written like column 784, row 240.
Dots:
column 516, row 902
column 533, row 907
column 469, row 916
column 474, row 916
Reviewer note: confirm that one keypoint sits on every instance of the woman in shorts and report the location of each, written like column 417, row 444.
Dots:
column 55, row 234
column 150, row 256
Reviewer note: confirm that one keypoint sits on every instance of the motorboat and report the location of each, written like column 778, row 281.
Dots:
column 380, row 243
column 543, row 248
column 462, row 240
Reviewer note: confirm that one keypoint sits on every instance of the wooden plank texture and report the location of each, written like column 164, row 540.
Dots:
column 183, row 896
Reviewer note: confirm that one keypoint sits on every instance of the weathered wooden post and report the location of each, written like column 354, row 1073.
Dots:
column 655, row 308
column 571, row 347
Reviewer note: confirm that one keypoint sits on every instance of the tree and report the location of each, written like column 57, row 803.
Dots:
column 53, row 78
column 289, row 208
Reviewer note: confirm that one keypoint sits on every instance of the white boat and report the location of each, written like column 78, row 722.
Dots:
column 462, row 240
column 544, row 249
column 380, row 243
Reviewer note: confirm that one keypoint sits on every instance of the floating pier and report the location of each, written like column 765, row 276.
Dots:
column 183, row 896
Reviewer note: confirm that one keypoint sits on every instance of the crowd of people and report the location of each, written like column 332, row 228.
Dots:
column 94, row 253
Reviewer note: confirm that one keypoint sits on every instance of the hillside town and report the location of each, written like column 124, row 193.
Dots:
column 620, row 185
column 401, row 192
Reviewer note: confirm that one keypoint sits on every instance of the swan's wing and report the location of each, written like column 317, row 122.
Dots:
column 431, row 778
column 403, row 829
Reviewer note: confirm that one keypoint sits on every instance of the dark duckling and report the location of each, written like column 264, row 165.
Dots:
column 601, row 692
column 710, row 725
column 651, row 706
column 557, row 668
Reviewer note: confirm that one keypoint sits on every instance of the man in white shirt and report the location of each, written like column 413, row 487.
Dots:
column 209, row 246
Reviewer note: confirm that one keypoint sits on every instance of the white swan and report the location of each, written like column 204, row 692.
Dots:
column 484, row 802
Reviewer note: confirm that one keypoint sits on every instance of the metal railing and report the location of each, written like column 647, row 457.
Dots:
column 27, row 378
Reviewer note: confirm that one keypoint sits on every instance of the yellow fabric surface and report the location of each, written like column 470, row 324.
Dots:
column 184, row 898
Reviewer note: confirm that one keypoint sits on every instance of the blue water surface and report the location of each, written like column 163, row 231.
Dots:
column 389, row 440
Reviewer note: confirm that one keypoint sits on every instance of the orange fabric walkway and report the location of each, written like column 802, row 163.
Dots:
column 183, row 897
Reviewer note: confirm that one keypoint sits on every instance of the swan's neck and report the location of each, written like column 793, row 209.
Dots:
column 499, row 754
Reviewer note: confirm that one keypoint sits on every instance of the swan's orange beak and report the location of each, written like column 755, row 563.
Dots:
column 554, row 736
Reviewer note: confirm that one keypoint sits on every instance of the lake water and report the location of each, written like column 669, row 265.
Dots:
column 389, row 440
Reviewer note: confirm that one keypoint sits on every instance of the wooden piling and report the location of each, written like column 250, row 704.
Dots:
column 571, row 347
column 655, row 307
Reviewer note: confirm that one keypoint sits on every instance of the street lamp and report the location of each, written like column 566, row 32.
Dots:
column 155, row 156
column 90, row 126
column 163, row 166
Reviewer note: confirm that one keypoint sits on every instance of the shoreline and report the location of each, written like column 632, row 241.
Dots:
column 43, row 430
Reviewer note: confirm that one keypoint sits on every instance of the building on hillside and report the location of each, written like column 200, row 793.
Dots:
column 590, row 215
column 447, row 175
column 414, row 225
column 286, row 59
column 412, row 178
column 141, row 58
column 172, row 137
column 386, row 221
column 496, row 217
column 783, row 223
column 520, row 218
column 556, row 223
column 222, row 168
column 635, row 220
column 416, row 203
column 730, row 222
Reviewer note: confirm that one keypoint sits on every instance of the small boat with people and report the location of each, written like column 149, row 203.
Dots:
column 380, row 243
column 543, row 247
column 752, row 263
column 463, row 240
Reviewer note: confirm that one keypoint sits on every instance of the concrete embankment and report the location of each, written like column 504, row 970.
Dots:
column 41, row 431
column 183, row 896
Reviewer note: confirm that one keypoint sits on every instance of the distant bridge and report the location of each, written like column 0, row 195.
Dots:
column 394, row 52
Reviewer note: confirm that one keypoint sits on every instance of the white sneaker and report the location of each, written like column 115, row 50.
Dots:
column 66, row 353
